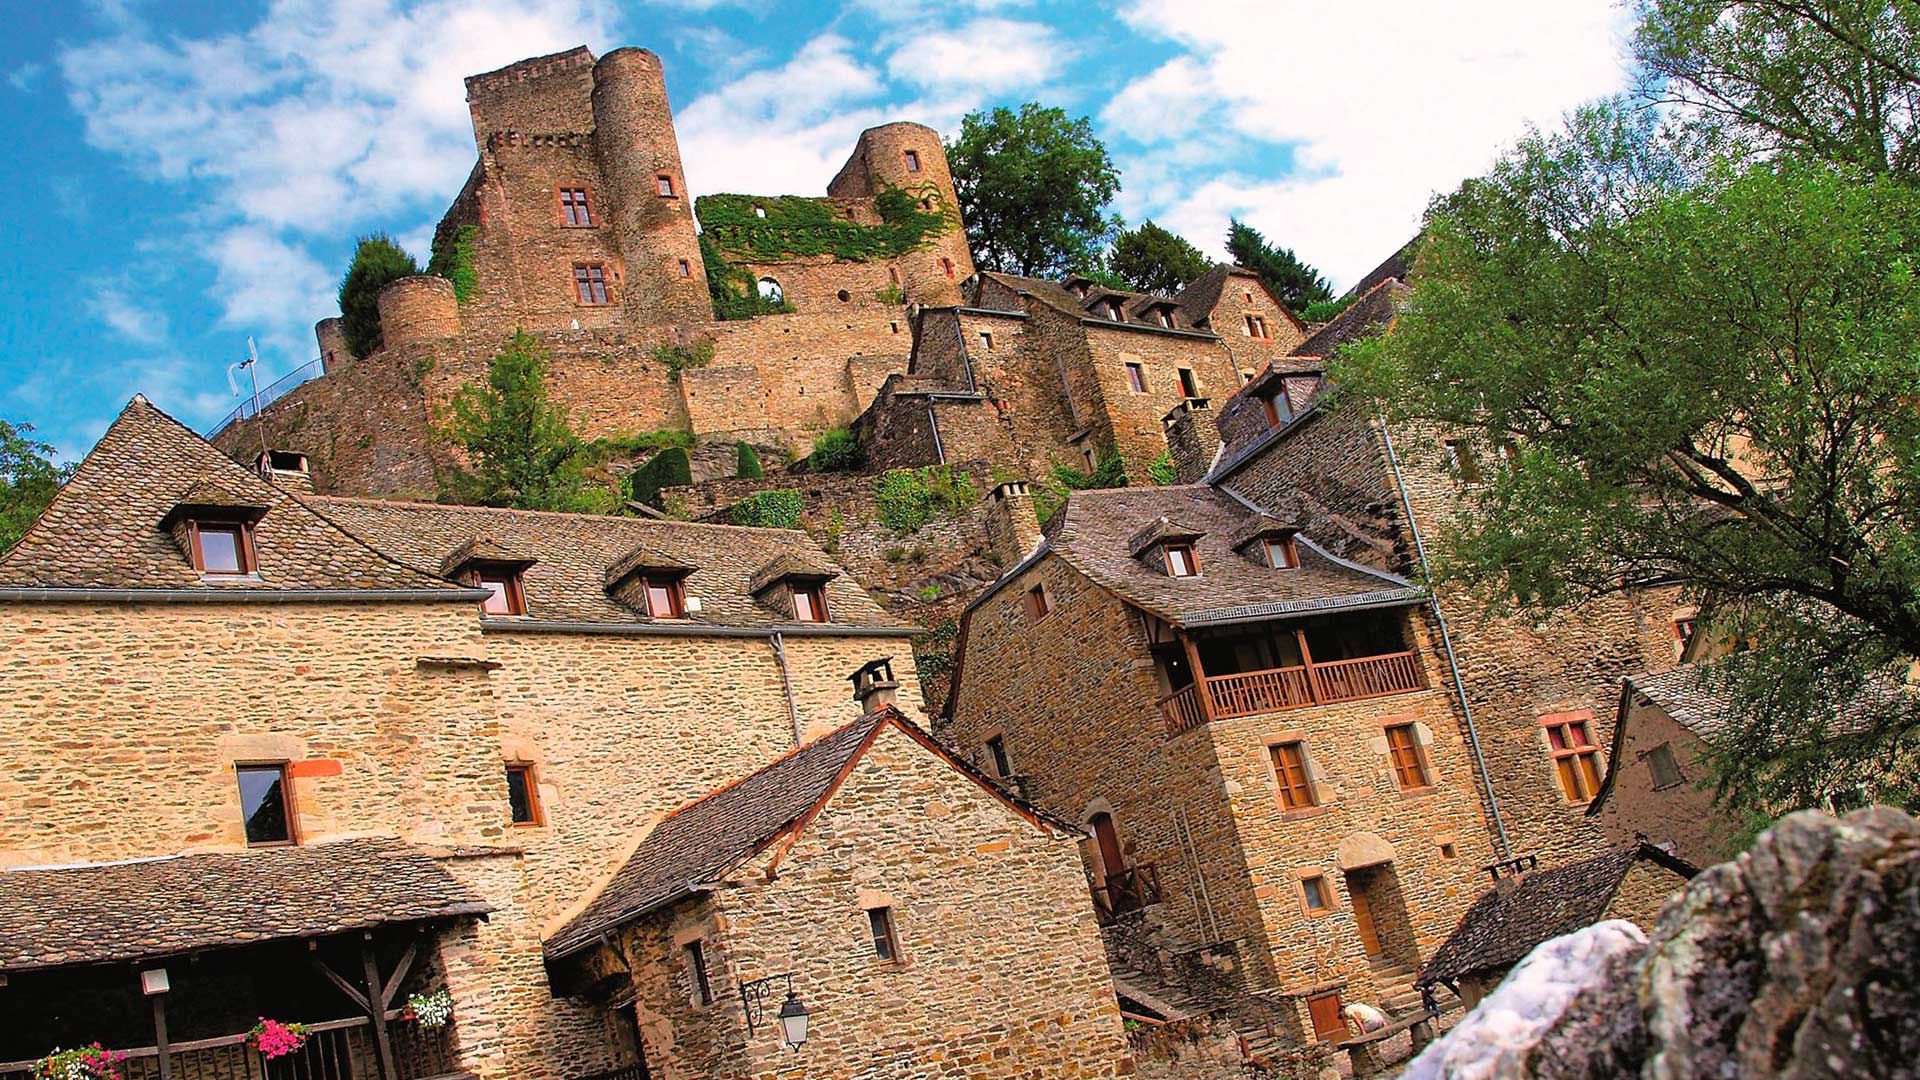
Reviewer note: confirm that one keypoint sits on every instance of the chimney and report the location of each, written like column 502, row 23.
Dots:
column 1193, row 439
column 285, row 469
column 874, row 685
column 1012, row 526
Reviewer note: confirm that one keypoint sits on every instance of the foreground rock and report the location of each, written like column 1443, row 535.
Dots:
column 1800, row 958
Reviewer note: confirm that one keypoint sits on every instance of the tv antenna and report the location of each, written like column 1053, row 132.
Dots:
column 252, row 366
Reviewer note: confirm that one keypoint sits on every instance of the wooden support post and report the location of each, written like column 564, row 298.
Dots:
column 160, row 1043
column 377, row 1009
column 1306, row 657
column 1200, row 691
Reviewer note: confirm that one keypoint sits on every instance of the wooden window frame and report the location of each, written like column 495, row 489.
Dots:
column 1115, row 313
column 665, row 187
column 584, row 280
column 284, row 767
column 1326, row 894
column 1408, row 759
column 676, row 596
column 996, row 748
column 1289, row 552
column 243, row 545
column 912, row 160
column 1664, row 751
column 693, row 955
column 514, row 591
column 561, row 206
column 884, row 934
column 1189, row 384
column 1576, row 765
column 1293, row 778
column 816, row 593
column 1193, row 560
column 1039, row 603
column 1136, row 376
column 536, row 815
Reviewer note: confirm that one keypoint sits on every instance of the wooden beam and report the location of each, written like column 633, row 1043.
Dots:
column 399, row 972
column 160, row 1043
column 1201, row 693
column 388, row 1068
column 347, row 988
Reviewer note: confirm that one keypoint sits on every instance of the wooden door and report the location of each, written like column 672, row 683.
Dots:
column 1328, row 1023
column 1363, row 919
column 1111, row 860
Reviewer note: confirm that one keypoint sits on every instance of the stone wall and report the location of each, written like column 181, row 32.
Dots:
column 1000, row 969
column 1683, row 815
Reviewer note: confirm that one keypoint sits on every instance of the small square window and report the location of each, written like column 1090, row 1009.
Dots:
column 1448, row 851
column 590, row 283
column 523, row 797
column 1038, row 602
column 266, row 803
column 506, row 596
column 1666, row 769
column 664, row 185
column 1188, row 388
column 222, row 547
column 1316, row 895
column 1180, row 561
column 885, row 945
column 997, row 753
column 810, row 602
column 986, row 340
column 573, row 206
column 686, row 268
column 1136, row 378
column 666, row 599
column 913, row 160
column 1280, row 552
column 699, row 986
column 1409, row 764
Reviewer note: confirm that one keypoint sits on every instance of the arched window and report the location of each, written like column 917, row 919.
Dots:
column 770, row 290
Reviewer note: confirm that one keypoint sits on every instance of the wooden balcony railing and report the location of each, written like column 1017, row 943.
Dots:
column 1251, row 692
column 1126, row 890
column 334, row 1050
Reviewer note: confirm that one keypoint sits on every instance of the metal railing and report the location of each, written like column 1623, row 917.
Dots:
column 268, row 395
column 1249, row 693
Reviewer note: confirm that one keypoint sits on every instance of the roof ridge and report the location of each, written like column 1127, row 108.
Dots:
column 422, row 504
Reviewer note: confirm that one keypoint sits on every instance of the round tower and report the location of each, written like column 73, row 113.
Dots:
column 910, row 156
column 417, row 308
column 646, row 190
column 333, row 344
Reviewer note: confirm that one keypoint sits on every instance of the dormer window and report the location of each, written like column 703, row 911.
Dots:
column 505, row 593
column 809, row 601
column 222, row 547
column 1166, row 317
column 1114, row 312
column 1181, row 561
column 1280, row 552
column 666, row 598
column 1277, row 408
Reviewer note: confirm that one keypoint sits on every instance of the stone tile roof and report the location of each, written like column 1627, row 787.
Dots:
column 1134, row 305
column 571, row 556
column 1201, row 295
column 1097, row 527
column 1695, row 702
column 1372, row 312
column 707, row 838
column 1505, row 924
column 1394, row 267
column 1242, row 418
column 51, row 917
column 103, row 529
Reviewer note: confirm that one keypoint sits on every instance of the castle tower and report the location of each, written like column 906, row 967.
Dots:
column 910, row 156
column 331, row 336
column 646, row 190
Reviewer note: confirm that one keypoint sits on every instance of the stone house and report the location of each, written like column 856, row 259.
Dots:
column 301, row 757
column 1655, row 786
column 1254, row 731
column 1528, row 906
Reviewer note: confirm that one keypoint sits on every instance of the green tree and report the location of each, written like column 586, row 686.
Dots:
column 1151, row 259
column 1033, row 187
column 1834, row 80
column 1291, row 281
column 521, row 450
column 377, row 260
column 28, row 480
column 1705, row 371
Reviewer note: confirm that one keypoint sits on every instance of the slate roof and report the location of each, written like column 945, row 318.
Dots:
column 1134, row 305
column 1201, row 295
column 707, row 838
column 1372, row 312
column 1695, row 703
column 1096, row 528
column 1394, row 267
column 1505, row 924
column 121, row 911
column 572, row 555
column 103, row 530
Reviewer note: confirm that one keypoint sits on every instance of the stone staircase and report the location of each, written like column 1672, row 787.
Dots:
column 1398, row 997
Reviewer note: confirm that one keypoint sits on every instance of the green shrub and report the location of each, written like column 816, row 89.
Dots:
column 668, row 468
column 452, row 258
column 679, row 358
column 1325, row 310
column 377, row 260
column 930, row 593
column 909, row 498
column 837, row 451
column 777, row 509
column 606, row 448
column 1161, row 471
column 746, row 463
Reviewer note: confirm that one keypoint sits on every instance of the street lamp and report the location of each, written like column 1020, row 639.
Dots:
column 793, row 1021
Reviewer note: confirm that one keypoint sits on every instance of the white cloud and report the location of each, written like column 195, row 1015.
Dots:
column 1384, row 104
column 989, row 55
column 114, row 303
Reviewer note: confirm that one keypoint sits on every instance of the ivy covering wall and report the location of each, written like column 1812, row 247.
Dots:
column 452, row 258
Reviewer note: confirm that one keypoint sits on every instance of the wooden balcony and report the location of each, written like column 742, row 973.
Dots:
column 1124, row 891
column 1249, row 693
column 334, row 1050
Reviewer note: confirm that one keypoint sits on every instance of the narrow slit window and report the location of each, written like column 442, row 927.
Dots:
column 266, row 803
column 1409, row 766
column 886, row 946
column 590, row 283
column 986, row 340
column 913, row 160
column 1038, row 602
column 997, row 753
column 523, row 799
column 698, row 983
column 946, row 265
column 1188, row 388
column 686, row 268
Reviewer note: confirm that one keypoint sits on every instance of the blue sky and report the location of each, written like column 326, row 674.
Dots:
column 187, row 174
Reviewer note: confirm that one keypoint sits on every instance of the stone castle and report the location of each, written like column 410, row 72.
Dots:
column 1204, row 753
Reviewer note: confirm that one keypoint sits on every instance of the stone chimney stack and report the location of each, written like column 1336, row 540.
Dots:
column 1193, row 439
column 1012, row 526
column 874, row 686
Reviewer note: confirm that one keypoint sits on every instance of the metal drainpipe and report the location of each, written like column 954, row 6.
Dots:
column 786, row 684
column 933, row 425
column 1446, row 642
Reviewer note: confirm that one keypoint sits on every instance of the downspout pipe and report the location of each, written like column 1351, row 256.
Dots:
column 1446, row 642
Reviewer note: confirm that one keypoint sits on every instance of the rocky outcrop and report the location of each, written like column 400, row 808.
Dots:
column 1799, row 959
